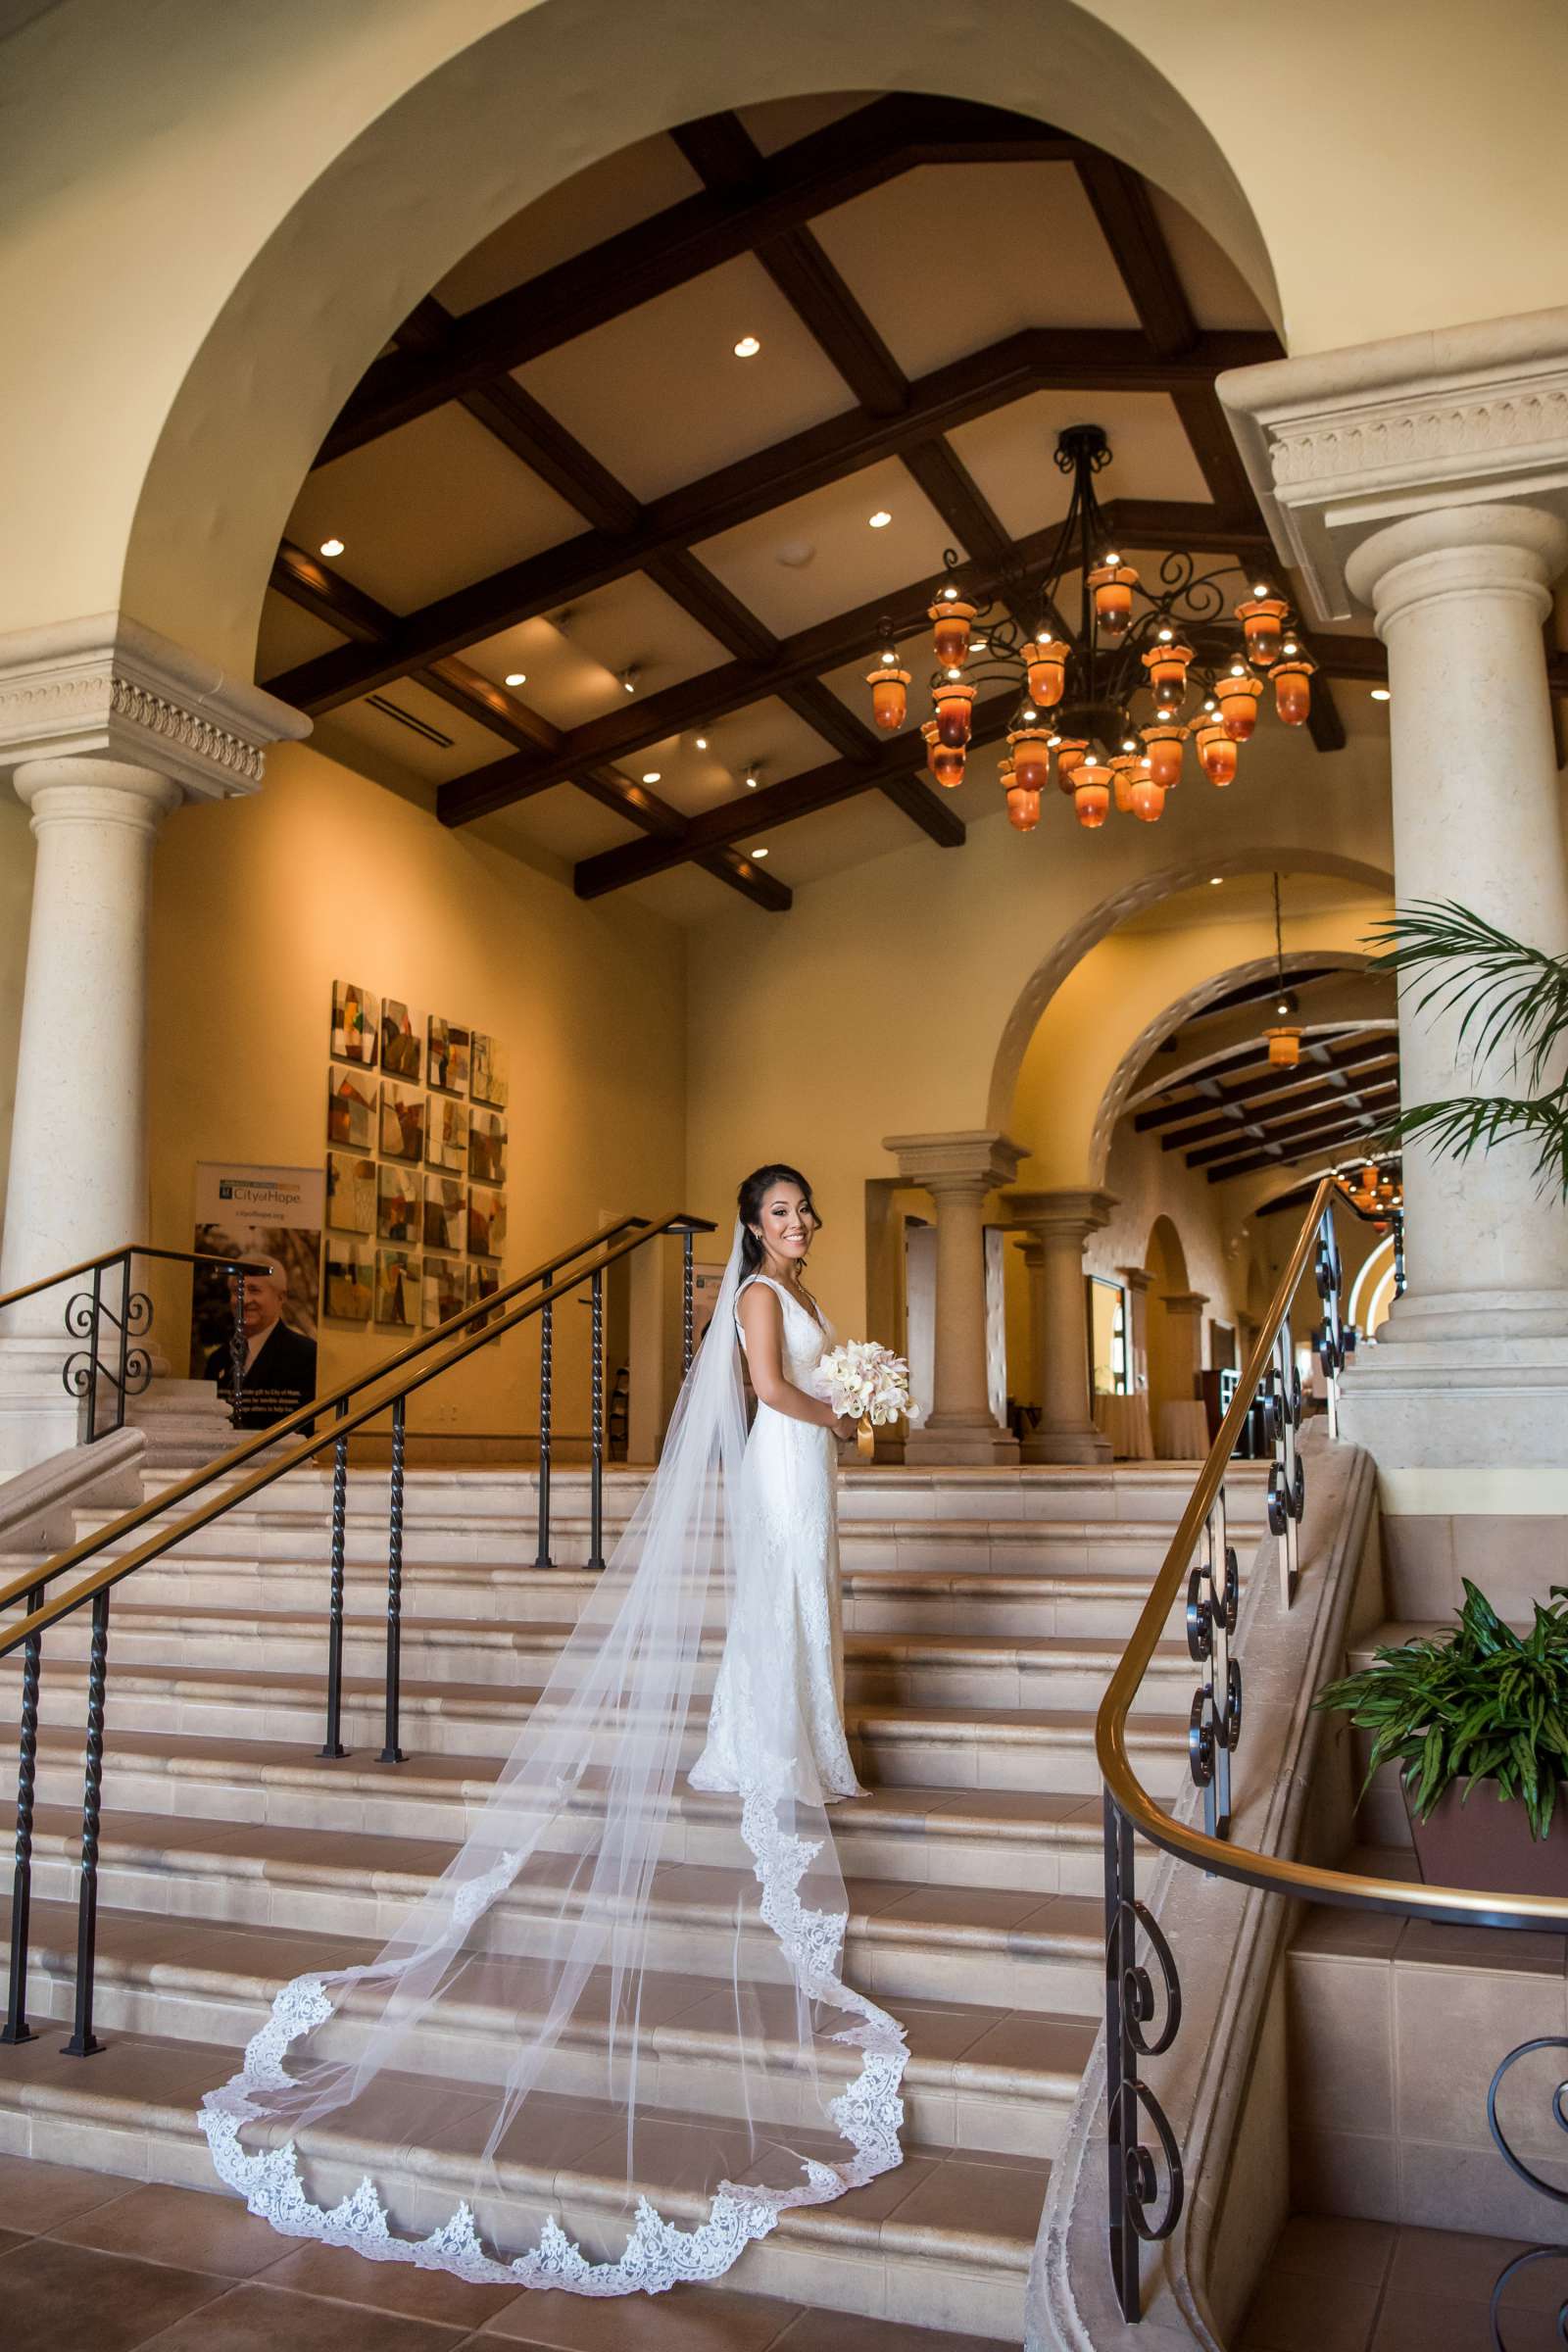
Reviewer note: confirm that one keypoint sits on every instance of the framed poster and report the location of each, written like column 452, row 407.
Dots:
column 401, row 1045
column 446, row 1139
column 446, row 1291
column 444, row 1213
column 347, row 1290
column 273, row 1215
column 351, row 1111
column 449, row 1056
column 397, row 1289
column 402, row 1122
column 489, row 1078
column 488, row 1222
column 354, row 1023
column 350, row 1193
column 487, row 1147
column 396, row 1203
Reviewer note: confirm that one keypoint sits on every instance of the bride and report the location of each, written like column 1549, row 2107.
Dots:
column 613, row 2044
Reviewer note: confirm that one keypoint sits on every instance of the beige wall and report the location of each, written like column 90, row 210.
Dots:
column 16, row 898
column 259, row 905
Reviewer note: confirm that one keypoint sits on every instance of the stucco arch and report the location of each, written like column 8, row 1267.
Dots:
column 412, row 134
column 1188, row 872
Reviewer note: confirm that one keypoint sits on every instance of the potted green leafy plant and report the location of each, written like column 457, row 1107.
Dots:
column 1475, row 1715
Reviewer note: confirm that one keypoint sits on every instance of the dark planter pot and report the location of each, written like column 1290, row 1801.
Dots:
column 1488, row 1845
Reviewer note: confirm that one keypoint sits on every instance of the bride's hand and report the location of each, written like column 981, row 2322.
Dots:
column 844, row 1428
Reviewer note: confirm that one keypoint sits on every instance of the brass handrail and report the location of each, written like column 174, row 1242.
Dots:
column 112, row 1258
column 169, row 1497
column 390, row 1391
column 1305, row 1881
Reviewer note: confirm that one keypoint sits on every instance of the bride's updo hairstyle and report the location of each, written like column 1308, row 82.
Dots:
column 749, row 1203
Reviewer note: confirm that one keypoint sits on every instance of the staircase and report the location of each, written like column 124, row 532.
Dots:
column 984, row 1610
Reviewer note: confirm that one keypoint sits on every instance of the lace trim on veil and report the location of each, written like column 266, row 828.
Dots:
column 658, row 2255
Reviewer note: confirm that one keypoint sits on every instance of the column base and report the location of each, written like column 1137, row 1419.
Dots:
column 1486, row 1402
column 1458, row 1318
column 1074, row 1442
column 38, row 1419
column 958, row 1440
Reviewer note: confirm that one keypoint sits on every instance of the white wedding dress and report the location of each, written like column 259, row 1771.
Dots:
column 613, row 2044
column 789, row 1494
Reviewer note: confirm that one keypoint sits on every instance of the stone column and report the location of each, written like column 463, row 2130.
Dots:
column 959, row 1171
column 1186, row 1311
column 1140, row 1282
column 1057, row 1226
column 106, row 728
column 1427, row 478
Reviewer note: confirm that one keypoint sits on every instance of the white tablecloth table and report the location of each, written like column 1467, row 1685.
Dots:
column 1183, row 1430
column 1124, row 1420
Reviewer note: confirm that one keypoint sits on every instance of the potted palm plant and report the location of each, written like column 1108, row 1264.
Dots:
column 1476, row 1714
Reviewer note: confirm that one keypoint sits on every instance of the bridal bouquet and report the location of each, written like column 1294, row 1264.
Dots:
column 867, row 1381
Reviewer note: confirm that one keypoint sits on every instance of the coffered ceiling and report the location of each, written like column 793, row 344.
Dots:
column 562, row 474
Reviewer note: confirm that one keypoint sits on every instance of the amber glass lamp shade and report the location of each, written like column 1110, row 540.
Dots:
column 1262, row 620
column 953, row 705
column 1284, row 1047
column 1146, row 797
column 947, row 766
column 1293, row 691
column 1046, row 663
column 1091, row 793
column 949, row 618
column 928, row 728
column 1216, row 753
column 1071, row 753
column 1031, row 758
column 1167, row 666
column 1163, row 745
column 1124, row 768
column 1023, row 808
column 1112, row 585
column 1369, row 1177
column 1238, row 699
column 890, row 697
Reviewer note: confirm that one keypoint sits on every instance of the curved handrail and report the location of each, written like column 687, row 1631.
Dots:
column 263, row 1438
column 125, row 1564
column 1305, row 1881
column 112, row 1258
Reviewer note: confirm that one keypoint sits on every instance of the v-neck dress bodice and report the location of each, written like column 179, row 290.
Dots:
column 788, row 1508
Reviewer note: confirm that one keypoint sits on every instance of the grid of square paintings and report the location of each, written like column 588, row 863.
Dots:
column 416, row 1164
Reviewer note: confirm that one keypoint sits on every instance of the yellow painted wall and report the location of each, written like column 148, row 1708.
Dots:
column 259, row 905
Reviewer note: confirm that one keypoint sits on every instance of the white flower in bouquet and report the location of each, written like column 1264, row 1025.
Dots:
column 866, row 1382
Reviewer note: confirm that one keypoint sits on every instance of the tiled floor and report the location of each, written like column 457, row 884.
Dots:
column 1367, row 2286
column 90, row 2264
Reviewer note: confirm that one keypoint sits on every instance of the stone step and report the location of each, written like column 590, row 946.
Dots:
column 945, row 2241
column 1044, row 1843
column 943, row 1669
column 214, row 1971
column 946, row 1746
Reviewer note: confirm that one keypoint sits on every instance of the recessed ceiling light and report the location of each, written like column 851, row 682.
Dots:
column 628, row 679
column 1214, row 881
column 652, row 776
column 516, row 677
column 978, row 645
column 701, row 742
column 751, row 779
column 880, row 520
column 759, row 853
column 1380, row 694
column 796, row 554
column 331, row 547
column 748, row 348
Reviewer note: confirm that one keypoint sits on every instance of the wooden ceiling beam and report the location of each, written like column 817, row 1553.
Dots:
column 1349, row 1055
column 1259, row 1112
column 782, row 803
column 1082, row 359
column 1282, row 1150
column 877, row 143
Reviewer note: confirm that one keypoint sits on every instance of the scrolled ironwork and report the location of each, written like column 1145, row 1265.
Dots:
column 79, row 1315
column 1138, row 2004
column 1141, row 2176
column 1201, row 1741
column 1509, row 2155
column 1501, row 2284
column 1139, row 2212
column 79, row 1373
column 1200, row 1620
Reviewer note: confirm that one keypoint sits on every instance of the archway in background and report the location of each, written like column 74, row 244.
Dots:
column 1170, row 1357
column 494, row 124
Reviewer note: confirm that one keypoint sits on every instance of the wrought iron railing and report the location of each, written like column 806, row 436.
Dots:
column 223, row 1484
column 121, row 1364
column 1146, row 2186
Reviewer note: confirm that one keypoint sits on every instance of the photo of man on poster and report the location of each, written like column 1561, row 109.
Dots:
column 279, row 1374
column 273, row 1215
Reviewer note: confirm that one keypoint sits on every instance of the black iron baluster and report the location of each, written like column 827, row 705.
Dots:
column 596, row 1476
column 547, row 1350
column 1132, row 2180
column 83, row 2042
column 334, row 1745
column 391, row 1753
column 687, row 1301
column 16, row 2027
column 238, row 1348
column 92, row 1354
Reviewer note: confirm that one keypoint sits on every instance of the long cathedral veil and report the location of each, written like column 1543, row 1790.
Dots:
column 616, row 1990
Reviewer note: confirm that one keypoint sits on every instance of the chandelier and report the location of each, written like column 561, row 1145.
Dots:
column 1374, row 1187
column 1106, row 706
